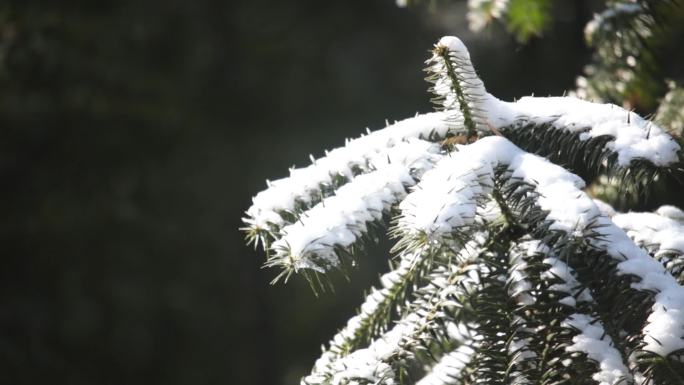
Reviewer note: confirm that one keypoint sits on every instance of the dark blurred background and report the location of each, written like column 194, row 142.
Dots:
column 132, row 137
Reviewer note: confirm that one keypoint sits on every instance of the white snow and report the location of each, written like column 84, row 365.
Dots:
column 591, row 338
column 449, row 367
column 517, row 274
column 304, row 183
column 653, row 231
column 665, row 325
column 340, row 219
column 671, row 212
column 634, row 137
column 557, row 269
column 445, row 202
column 593, row 341
column 569, row 285
column 369, row 363
column 572, row 211
column 456, row 46
column 375, row 303
column 471, row 85
column 446, row 198
column 605, row 208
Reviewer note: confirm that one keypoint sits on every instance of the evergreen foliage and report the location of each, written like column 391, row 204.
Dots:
column 505, row 271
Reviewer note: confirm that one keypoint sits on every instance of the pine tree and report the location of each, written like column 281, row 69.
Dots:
column 504, row 271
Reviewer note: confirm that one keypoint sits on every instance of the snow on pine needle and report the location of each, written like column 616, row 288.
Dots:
column 505, row 269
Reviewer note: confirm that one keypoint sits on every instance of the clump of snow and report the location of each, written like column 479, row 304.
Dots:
column 446, row 198
column 339, row 220
column 415, row 154
column 593, row 340
column 671, row 212
column 471, row 86
column 605, row 208
column 520, row 350
column 557, row 270
column 654, row 231
column 377, row 302
column 517, row 271
column 575, row 291
column 456, row 46
column 449, row 367
column 635, row 137
column 371, row 363
column 368, row 363
column 571, row 210
column 305, row 183
column 664, row 331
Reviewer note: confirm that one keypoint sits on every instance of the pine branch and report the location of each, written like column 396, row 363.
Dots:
column 456, row 86
column 285, row 199
column 375, row 312
column 441, row 209
column 622, row 277
column 328, row 233
column 450, row 368
column 557, row 127
column 588, row 137
column 612, row 76
column 624, row 67
column 384, row 359
column 660, row 236
column 557, row 313
column 508, row 273
column 493, row 320
column 447, row 302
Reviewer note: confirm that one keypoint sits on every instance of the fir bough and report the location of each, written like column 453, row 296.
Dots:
column 506, row 271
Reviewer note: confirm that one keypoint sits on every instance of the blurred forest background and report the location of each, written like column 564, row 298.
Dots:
column 132, row 137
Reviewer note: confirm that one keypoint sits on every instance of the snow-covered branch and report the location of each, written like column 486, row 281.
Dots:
column 659, row 235
column 285, row 198
column 321, row 234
